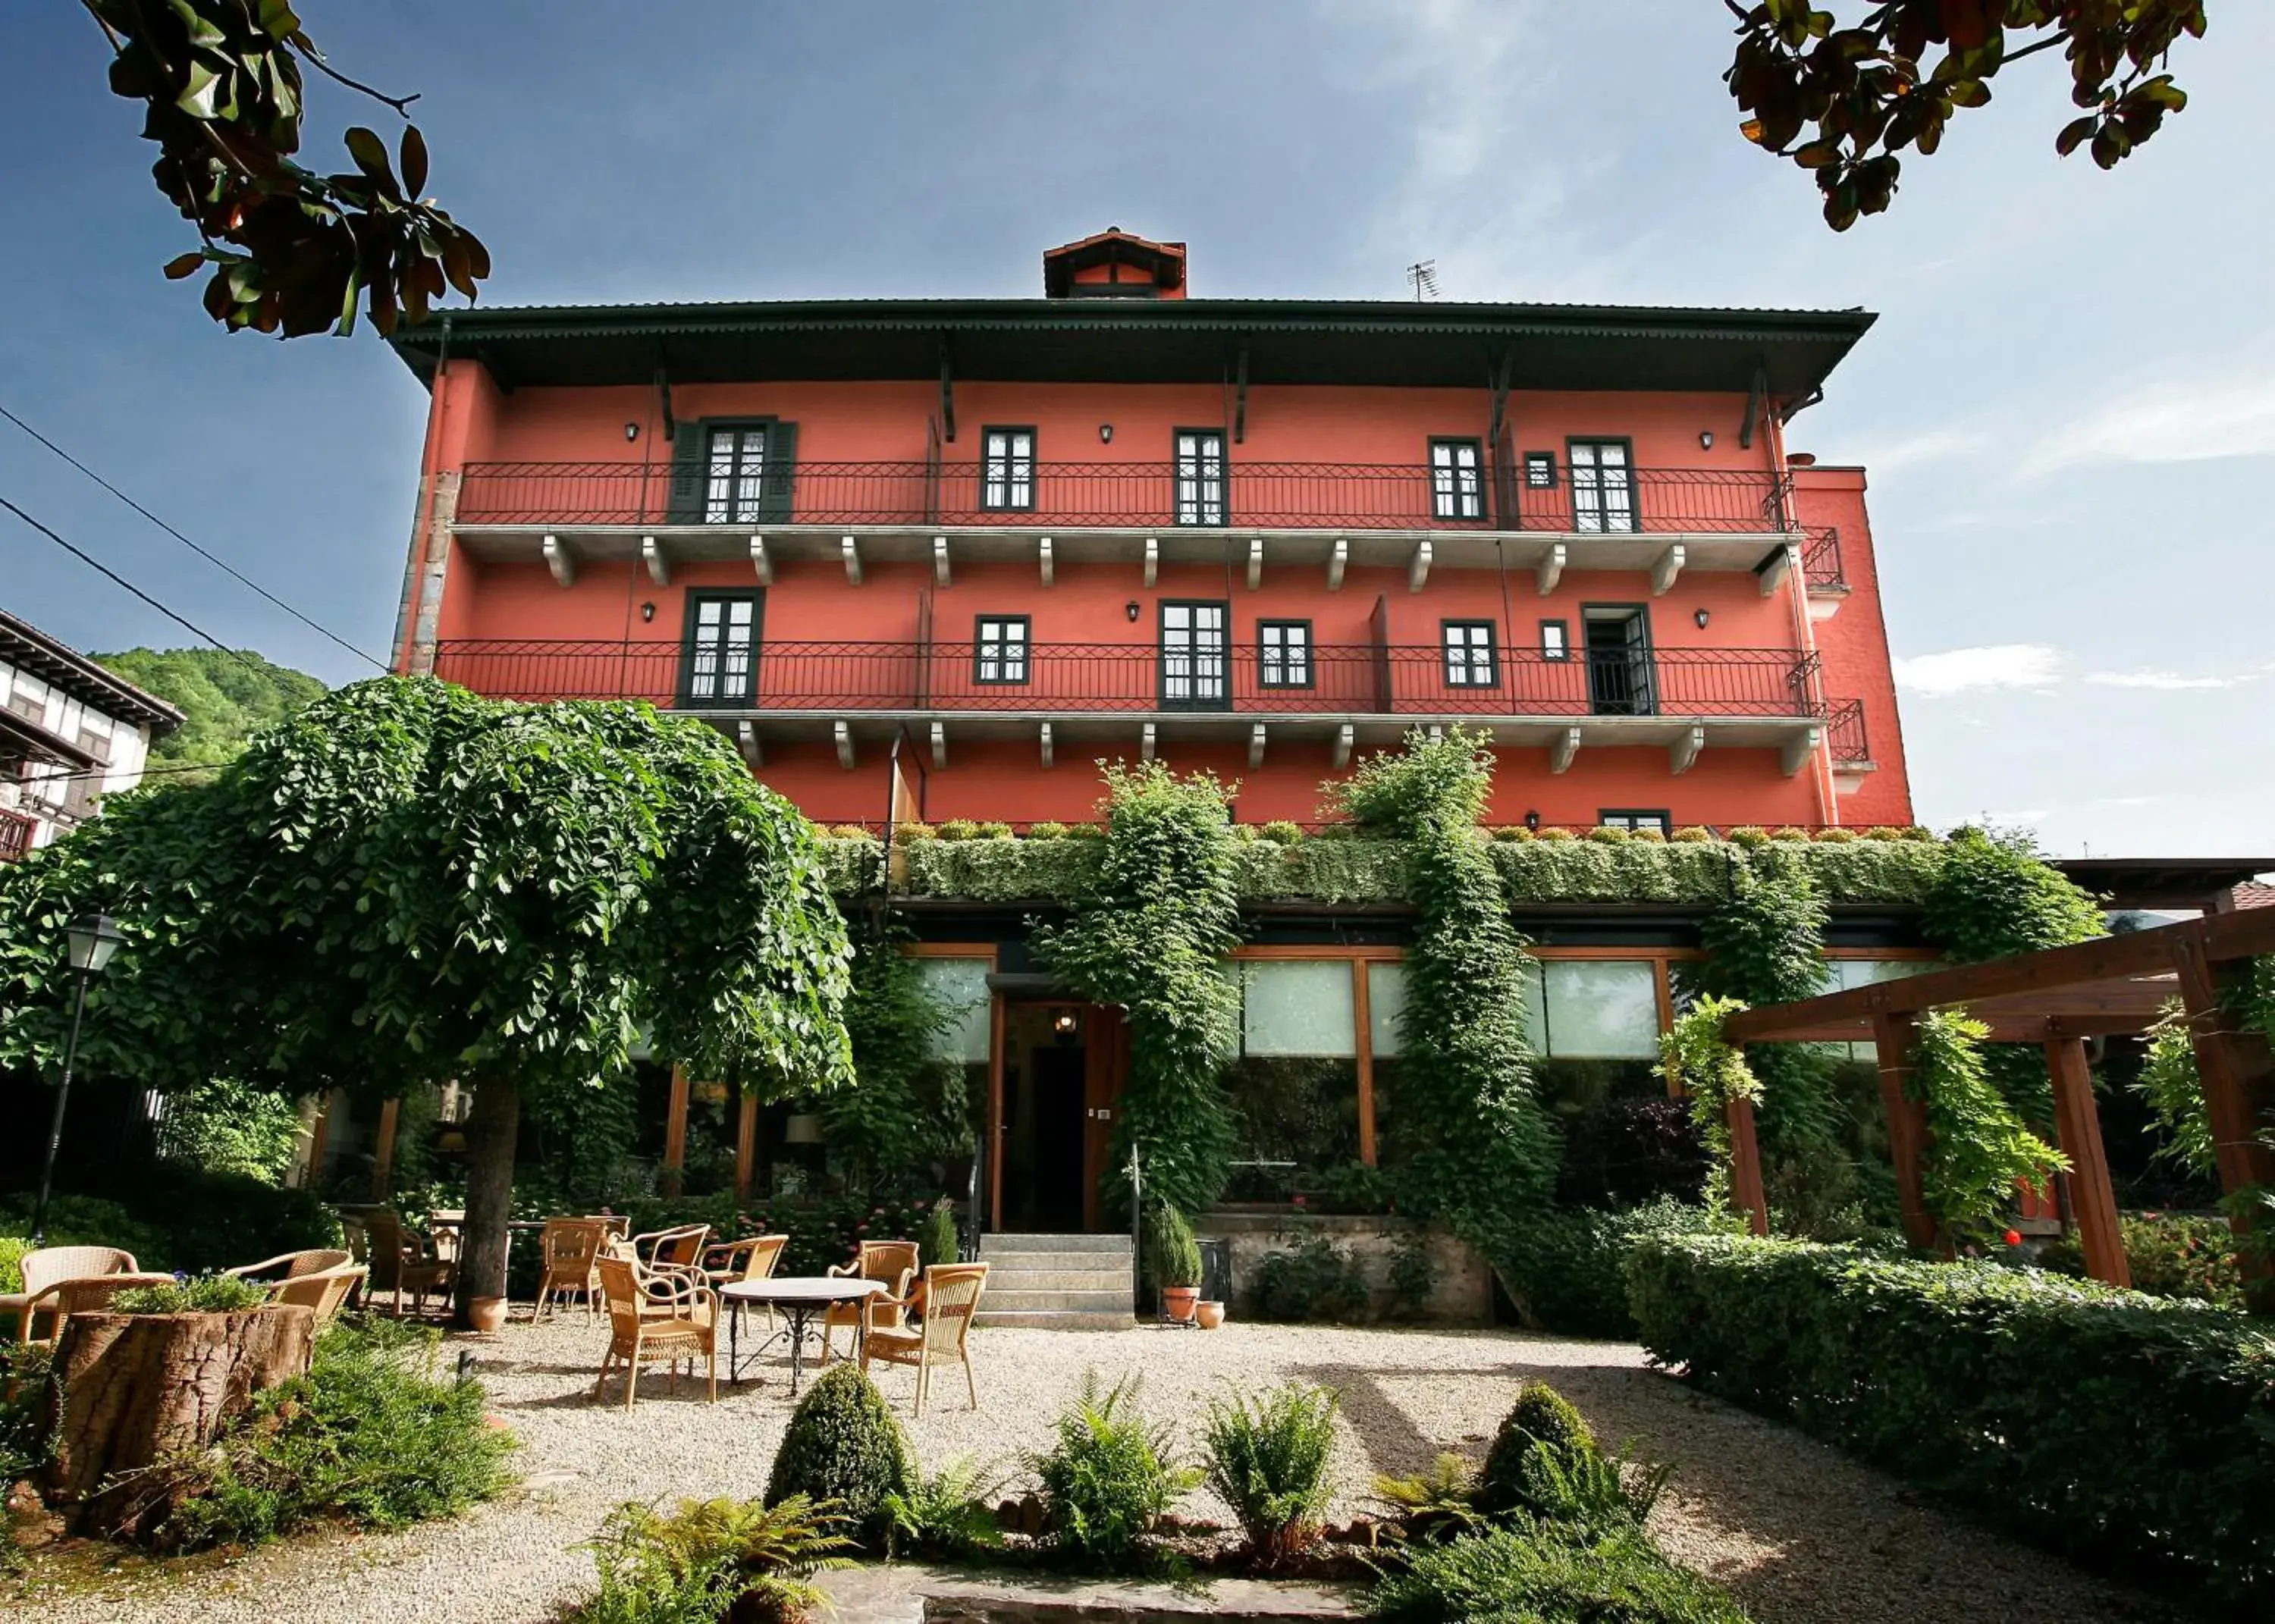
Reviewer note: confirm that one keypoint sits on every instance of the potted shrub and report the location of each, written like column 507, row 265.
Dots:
column 1176, row 1265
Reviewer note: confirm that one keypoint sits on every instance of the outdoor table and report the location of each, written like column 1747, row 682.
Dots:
column 797, row 1298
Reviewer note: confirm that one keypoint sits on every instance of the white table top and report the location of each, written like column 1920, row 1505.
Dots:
column 803, row 1288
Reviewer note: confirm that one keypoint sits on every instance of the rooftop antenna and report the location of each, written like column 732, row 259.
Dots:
column 1423, row 275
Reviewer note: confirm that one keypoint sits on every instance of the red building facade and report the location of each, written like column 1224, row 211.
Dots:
column 1261, row 537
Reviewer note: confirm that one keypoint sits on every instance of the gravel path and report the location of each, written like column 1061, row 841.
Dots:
column 1800, row 1533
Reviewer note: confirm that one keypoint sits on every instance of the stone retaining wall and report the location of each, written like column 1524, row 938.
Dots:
column 1461, row 1295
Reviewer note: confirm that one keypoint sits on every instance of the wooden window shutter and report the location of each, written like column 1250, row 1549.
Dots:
column 684, row 505
column 775, row 501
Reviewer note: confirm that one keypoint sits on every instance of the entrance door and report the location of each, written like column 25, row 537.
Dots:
column 1063, row 1065
column 1619, row 662
column 1196, row 657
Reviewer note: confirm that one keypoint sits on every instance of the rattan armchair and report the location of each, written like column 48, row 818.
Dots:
column 400, row 1259
column 893, row 1262
column 570, row 1247
column 86, row 1294
column 324, row 1290
column 48, row 1266
column 290, row 1266
column 946, row 1300
column 676, row 1248
column 754, row 1258
column 669, row 1315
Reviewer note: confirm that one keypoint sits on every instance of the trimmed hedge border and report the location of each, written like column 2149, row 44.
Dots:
column 2126, row 1431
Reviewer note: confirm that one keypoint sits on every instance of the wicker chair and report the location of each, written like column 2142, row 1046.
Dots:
column 569, row 1247
column 86, row 1294
column 893, row 1262
column 680, row 1248
column 667, row 1315
column 947, row 1299
column 446, row 1232
column 49, row 1265
column 324, row 1290
column 291, row 1265
column 399, row 1260
column 739, row 1261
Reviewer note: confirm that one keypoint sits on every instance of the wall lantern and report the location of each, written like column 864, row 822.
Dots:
column 647, row 611
column 1106, row 434
column 1706, row 439
column 631, row 431
column 1131, row 609
column 1533, row 821
column 1701, row 618
column 89, row 942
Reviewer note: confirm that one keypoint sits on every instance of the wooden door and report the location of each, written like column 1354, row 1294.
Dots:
column 1108, row 1040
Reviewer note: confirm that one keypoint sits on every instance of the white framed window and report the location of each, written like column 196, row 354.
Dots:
column 1470, row 658
column 1283, row 653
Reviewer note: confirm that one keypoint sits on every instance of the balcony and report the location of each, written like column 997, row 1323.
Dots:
column 1683, row 700
column 1407, row 517
column 16, row 831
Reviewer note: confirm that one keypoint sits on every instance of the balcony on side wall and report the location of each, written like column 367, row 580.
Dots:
column 1536, row 516
column 16, row 832
column 1135, row 695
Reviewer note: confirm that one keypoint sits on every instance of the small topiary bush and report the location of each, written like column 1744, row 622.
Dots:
column 1515, row 834
column 959, row 829
column 1749, row 837
column 1173, row 1254
column 991, row 830
column 1267, row 1459
column 1555, row 834
column 1048, row 829
column 915, row 831
column 1280, row 831
column 1508, row 1576
column 1313, row 1282
column 844, row 1446
column 1541, row 1420
column 1693, row 836
column 1107, row 1476
column 1608, row 835
column 938, row 1241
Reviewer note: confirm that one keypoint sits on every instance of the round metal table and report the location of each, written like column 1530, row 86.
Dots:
column 797, row 1298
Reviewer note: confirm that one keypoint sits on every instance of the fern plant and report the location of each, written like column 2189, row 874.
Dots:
column 1434, row 1505
column 1267, row 1459
column 943, row 1514
column 704, row 1558
column 1109, row 1476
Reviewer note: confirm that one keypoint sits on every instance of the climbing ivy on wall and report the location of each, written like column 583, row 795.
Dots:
column 907, row 1108
column 1482, row 1152
column 1709, row 1073
column 1149, row 929
column 1978, row 1147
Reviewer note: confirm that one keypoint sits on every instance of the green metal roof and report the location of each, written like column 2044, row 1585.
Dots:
column 1148, row 341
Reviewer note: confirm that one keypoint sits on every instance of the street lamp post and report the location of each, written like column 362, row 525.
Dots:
column 93, row 939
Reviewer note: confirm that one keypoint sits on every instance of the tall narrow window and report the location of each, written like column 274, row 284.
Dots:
column 1195, row 656
column 1457, row 484
column 1006, row 477
column 720, row 662
column 1000, row 649
column 735, row 473
column 1470, row 662
column 1283, row 653
column 1603, row 486
column 1200, row 476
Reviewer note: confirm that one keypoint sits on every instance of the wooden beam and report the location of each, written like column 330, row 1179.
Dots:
column 1893, row 1035
column 995, row 1109
column 1240, row 398
column 1504, row 370
column 1746, row 1193
column 382, row 1149
column 2091, row 1199
column 1362, row 1034
column 2237, row 1071
column 946, row 395
column 675, row 1133
column 1756, row 398
column 747, row 1147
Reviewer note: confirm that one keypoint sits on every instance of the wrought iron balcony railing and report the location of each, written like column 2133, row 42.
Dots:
column 1113, row 678
column 1135, row 494
column 1820, row 559
column 16, row 831
column 1845, row 731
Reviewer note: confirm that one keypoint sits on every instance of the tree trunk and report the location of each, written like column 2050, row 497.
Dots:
column 492, row 1130
column 131, row 1389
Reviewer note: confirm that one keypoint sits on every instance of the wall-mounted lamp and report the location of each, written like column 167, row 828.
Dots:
column 1706, row 439
column 1533, row 821
column 647, row 611
column 1701, row 618
column 631, row 431
column 1106, row 434
column 1131, row 609
column 1067, row 1021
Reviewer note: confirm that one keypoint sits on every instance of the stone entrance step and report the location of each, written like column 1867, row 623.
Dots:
column 1061, row 1283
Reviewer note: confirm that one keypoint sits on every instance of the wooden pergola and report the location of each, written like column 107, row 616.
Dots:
column 2058, row 999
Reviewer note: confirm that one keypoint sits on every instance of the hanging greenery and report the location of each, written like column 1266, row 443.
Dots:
column 1709, row 1073
column 1483, row 1152
column 907, row 1108
column 1978, row 1149
column 1149, row 930
column 2174, row 1091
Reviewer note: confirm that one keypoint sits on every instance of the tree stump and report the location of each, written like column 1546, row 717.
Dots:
column 131, row 1389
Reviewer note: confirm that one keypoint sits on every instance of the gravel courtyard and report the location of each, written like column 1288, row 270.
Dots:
column 1800, row 1533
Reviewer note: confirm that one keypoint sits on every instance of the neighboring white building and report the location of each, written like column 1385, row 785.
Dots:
column 70, row 734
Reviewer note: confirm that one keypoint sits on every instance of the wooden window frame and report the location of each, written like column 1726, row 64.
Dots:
column 980, row 624
column 1634, row 526
column 768, row 455
column 1223, row 481
column 1561, row 653
column 1011, row 465
column 1191, row 702
column 1455, row 504
column 1492, row 678
column 691, row 625
column 1310, row 664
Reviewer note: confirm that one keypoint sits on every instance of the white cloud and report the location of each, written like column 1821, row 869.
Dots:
column 1999, row 665
column 1935, row 446
column 2180, row 420
column 2167, row 682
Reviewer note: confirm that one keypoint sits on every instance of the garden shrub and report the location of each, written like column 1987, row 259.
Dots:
column 203, row 1294
column 1977, row 1147
column 959, row 829
column 1513, row 1576
column 939, row 1240
column 942, row 1515
column 2170, row 1255
column 13, row 1248
column 1434, row 1505
column 366, row 1437
column 1267, row 1458
column 844, row 1447
column 1172, row 1256
column 2120, row 1429
column 24, row 1447
column 1313, row 1282
column 173, row 1216
column 906, row 1110
column 1542, row 1420
column 1413, row 1272
column 223, row 1126
column 1107, row 1476
column 1281, row 832
column 711, row 1561
column 1574, row 1274
column 1049, row 829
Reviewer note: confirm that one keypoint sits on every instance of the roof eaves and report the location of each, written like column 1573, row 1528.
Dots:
column 81, row 676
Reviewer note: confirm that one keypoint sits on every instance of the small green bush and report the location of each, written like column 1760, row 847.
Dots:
column 1571, row 1269
column 1267, row 1459
column 710, row 1561
column 13, row 1248
column 203, row 1294
column 843, row 1445
column 1542, row 1420
column 1751, row 838
column 938, row 1239
column 1556, row 834
column 1313, row 1282
column 2128, row 1430
column 1435, row 1506
column 1647, row 836
column 1049, row 829
column 2170, row 1254
column 1175, row 1254
column 848, row 831
column 1107, row 1476
column 1508, row 1576
column 1609, row 835
column 1834, row 838
column 1413, row 1272
column 991, row 830
column 366, row 1437
column 942, row 1515
column 1693, row 836
column 1281, row 832
column 959, row 829
column 1515, row 834
column 903, row 832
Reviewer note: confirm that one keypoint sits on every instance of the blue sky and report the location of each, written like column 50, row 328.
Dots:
column 2068, row 406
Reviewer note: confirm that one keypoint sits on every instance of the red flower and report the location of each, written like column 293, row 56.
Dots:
column 1299, row 1200
column 2012, row 1238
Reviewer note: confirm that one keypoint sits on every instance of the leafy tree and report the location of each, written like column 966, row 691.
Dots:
column 1863, row 92
column 405, row 882
column 291, row 251
column 909, row 1109
column 224, row 698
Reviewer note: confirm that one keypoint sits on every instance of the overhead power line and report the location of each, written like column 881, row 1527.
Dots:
column 95, row 563
column 222, row 564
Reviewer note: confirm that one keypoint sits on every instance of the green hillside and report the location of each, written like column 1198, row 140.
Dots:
column 226, row 699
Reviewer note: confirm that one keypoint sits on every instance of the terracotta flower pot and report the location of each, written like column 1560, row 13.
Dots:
column 487, row 1315
column 1177, row 1302
column 1210, row 1315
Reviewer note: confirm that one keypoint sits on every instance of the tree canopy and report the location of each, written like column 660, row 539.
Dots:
column 225, row 698
column 1864, row 92
column 403, row 883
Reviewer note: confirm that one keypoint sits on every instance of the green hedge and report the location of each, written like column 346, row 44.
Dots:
column 2129, row 1431
column 1571, row 1267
